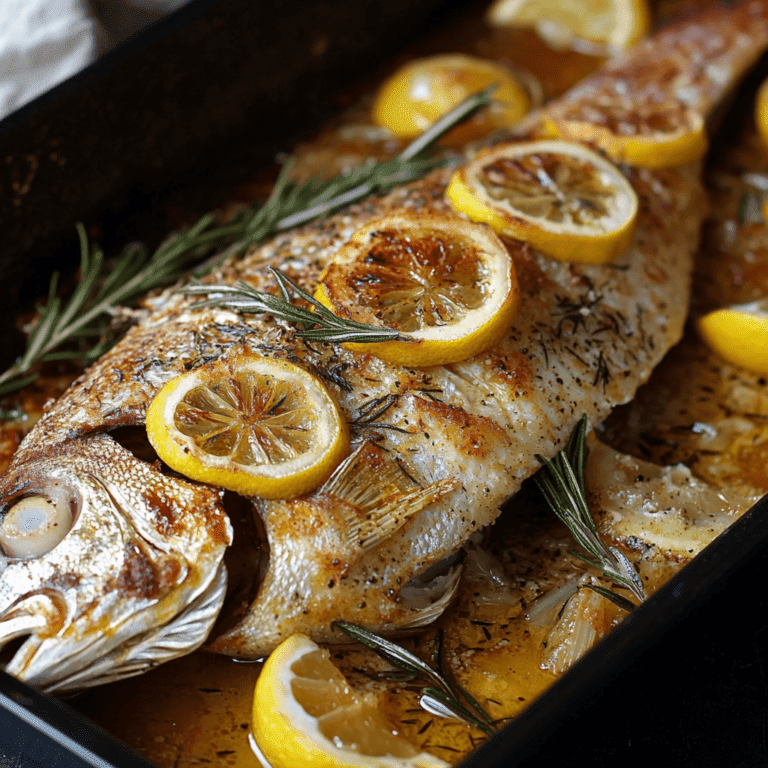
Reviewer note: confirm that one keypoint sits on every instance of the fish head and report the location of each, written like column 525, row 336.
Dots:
column 108, row 566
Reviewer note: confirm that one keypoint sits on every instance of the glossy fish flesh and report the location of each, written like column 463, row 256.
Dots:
column 130, row 569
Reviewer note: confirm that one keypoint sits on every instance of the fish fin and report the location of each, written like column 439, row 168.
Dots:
column 417, row 595
column 375, row 495
column 375, row 524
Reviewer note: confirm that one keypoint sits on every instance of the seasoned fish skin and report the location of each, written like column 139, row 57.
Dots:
column 585, row 338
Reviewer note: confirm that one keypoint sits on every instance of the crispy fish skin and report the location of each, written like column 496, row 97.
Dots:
column 463, row 436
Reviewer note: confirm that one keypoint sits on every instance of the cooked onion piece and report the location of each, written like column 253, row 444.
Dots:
column 643, row 505
column 586, row 618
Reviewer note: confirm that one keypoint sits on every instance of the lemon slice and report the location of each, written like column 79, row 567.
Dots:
column 651, row 135
column 306, row 716
column 448, row 286
column 254, row 425
column 761, row 112
column 615, row 24
column 424, row 90
column 562, row 198
column 739, row 334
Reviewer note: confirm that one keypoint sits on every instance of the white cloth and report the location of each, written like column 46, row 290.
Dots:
column 42, row 42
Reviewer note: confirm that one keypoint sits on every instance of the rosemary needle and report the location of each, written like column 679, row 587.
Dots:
column 320, row 325
column 135, row 272
column 561, row 482
column 440, row 697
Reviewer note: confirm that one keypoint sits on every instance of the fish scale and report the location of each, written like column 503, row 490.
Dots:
column 468, row 434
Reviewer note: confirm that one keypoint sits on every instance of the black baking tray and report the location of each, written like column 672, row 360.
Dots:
column 224, row 84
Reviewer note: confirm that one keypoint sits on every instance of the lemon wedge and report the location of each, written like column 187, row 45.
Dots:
column 422, row 91
column 447, row 285
column 254, row 425
column 306, row 716
column 652, row 135
column 614, row 24
column 562, row 198
column 761, row 112
column 739, row 334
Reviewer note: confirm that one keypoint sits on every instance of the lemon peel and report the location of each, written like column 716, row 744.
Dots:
column 761, row 112
column 448, row 286
column 254, row 425
column 739, row 334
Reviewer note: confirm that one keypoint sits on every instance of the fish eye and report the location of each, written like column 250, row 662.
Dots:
column 36, row 523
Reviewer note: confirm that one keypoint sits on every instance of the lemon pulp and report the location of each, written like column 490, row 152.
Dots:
column 615, row 24
column 422, row 91
column 651, row 135
column 250, row 418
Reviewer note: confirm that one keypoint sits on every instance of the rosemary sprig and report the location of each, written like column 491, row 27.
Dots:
column 320, row 325
column 290, row 205
column 561, row 481
column 135, row 273
column 439, row 697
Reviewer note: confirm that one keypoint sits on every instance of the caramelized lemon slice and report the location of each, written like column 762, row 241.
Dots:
column 448, row 286
column 739, row 334
column 562, row 198
column 424, row 90
column 306, row 716
column 615, row 24
column 254, row 425
column 652, row 135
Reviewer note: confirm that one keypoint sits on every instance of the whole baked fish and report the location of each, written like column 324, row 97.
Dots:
column 114, row 563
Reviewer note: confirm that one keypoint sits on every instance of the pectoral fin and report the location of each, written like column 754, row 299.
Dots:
column 376, row 496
